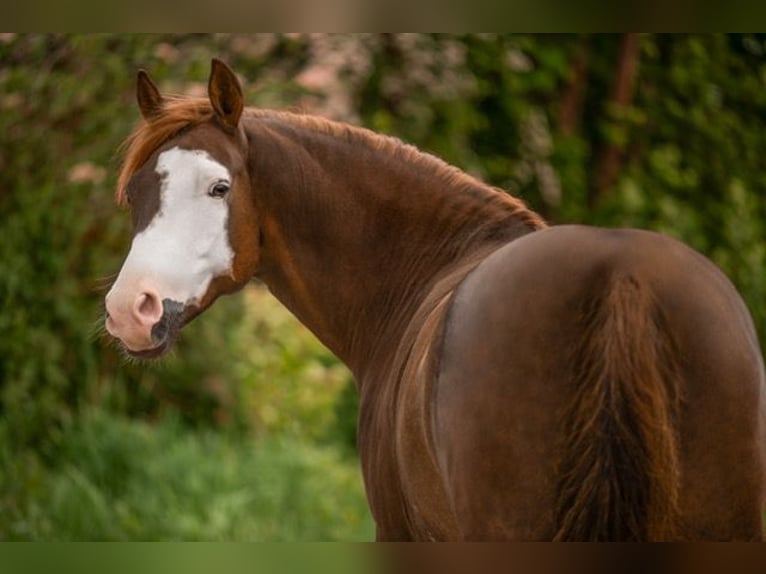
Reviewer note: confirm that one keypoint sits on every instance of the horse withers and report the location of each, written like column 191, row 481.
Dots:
column 516, row 381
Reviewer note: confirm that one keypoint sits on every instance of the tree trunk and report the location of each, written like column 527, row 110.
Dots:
column 610, row 157
column 573, row 96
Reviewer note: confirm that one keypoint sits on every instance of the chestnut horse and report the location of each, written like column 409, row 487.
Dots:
column 516, row 381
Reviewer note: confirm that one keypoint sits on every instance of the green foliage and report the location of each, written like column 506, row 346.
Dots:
column 262, row 371
column 117, row 479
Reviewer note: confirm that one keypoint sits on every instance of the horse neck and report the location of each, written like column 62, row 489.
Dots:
column 357, row 228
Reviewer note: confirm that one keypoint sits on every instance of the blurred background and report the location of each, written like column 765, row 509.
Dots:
column 246, row 432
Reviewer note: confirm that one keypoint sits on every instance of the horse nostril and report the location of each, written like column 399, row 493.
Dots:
column 148, row 308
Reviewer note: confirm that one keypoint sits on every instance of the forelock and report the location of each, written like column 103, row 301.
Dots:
column 178, row 113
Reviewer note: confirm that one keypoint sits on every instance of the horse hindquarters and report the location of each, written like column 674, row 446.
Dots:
column 600, row 385
column 565, row 428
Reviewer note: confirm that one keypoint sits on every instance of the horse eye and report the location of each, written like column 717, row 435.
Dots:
column 219, row 189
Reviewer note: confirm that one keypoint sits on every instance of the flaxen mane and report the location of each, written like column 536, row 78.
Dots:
column 180, row 113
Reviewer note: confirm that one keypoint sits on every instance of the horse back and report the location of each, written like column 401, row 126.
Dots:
column 517, row 353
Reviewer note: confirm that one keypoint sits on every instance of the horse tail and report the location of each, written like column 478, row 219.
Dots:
column 619, row 468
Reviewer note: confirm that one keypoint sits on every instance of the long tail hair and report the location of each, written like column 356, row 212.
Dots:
column 619, row 466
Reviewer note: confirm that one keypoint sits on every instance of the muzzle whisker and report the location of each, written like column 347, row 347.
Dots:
column 103, row 284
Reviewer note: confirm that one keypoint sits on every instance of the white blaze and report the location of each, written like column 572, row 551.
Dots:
column 186, row 244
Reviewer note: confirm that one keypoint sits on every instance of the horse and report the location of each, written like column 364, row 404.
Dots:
column 516, row 381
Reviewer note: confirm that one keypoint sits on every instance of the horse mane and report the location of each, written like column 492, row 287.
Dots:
column 448, row 175
column 181, row 112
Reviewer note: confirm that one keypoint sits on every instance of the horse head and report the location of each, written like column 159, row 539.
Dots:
column 195, row 233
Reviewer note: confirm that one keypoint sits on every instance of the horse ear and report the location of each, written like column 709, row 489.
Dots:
column 225, row 94
column 148, row 96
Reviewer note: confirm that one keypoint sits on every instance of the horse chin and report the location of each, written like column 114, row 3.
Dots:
column 153, row 352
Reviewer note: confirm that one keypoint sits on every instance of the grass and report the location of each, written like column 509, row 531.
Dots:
column 121, row 479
